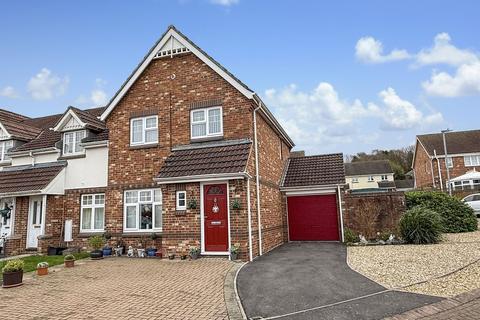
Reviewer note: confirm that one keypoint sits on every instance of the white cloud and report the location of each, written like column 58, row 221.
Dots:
column 225, row 3
column 45, row 85
column 9, row 92
column 466, row 81
column 443, row 52
column 98, row 97
column 370, row 50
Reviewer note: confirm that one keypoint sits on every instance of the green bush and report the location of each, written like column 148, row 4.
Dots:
column 421, row 225
column 69, row 257
column 13, row 265
column 349, row 236
column 456, row 216
column 96, row 242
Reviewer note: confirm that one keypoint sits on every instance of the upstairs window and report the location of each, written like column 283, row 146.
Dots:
column 384, row 177
column 449, row 162
column 354, row 180
column 144, row 130
column 4, row 147
column 206, row 123
column 471, row 161
column 71, row 142
column 370, row 179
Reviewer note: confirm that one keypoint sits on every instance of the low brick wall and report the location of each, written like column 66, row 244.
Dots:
column 370, row 213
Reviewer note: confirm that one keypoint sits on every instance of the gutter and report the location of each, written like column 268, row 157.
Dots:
column 14, row 154
column 203, row 177
column 257, row 181
column 250, row 249
column 439, row 169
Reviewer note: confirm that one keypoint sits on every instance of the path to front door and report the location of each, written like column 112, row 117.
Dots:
column 35, row 221
column 215, row 218
column 311, row 280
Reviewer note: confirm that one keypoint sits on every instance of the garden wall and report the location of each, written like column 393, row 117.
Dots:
column 370, row 213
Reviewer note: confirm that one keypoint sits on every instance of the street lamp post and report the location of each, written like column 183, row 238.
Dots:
column 444, row 132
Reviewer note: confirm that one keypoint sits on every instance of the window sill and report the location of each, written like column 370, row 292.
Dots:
column 144, row 146
column 88, row 234
column 140, row 234
column 73, row 156
column 205, row 139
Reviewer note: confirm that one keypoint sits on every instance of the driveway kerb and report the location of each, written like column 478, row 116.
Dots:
column 232, row 300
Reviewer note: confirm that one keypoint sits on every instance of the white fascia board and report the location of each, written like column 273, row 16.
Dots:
column 64, row 119
column 20, row 193
column 303, row 189
column 34, row 152
column 57, row 185
column 96, row 144
column 203, row 178
column 171, row 33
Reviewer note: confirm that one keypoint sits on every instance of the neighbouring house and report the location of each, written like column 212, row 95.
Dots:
column 429, row 165
column 369, row 175
column 184, row 155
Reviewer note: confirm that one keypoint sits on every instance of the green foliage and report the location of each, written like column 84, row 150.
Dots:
column 456, row 216
column 350, row 236
column 421, row 225
column 96, row 242
column 235, row 248
column 13, row 265
column 42, row 264
column 69, row 257
column 194, row 251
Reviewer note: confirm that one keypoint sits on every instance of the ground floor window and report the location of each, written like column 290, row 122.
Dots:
column 6, row 216
column 143, row 210
column 92, row 218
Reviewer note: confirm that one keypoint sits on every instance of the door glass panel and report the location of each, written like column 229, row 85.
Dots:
column 34, row 213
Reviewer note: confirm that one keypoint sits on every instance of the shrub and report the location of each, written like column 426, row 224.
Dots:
column 456, row 216
column 96, row 242
column 42, row 265
column 349, row 236
column 14, row 265
column 421, row 225
column 69, row 257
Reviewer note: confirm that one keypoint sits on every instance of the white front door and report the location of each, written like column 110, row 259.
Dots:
column 35, row 221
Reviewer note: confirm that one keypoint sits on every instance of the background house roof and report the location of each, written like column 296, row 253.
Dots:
column 457, row 142
column 17, row 126
column 361, row 168
column 317, row 170
column 209, row 159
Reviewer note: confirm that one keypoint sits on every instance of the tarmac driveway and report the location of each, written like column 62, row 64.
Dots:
column 311, row 280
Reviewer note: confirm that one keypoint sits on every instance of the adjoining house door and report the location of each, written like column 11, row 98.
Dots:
column 215, row 212
column 35, row 221
column 313, row 218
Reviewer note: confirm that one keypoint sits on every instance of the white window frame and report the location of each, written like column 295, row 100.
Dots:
column 137, row 206
column 4, row 150
column 80, row 150
column 354, row 180
column 370, row 179
column 471, row 163
column 207, row 126
column 384, row 177
column 92, row 206
column 177, row 200
column 450, row 162
column 144, row 130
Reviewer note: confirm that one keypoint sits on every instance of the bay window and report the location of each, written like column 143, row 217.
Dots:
column 206, row 122
column 72, row 141
column 144, row 130
column 92, row 217
column 4, row 147
column 143, row 210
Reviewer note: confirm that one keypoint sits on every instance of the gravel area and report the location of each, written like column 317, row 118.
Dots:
column 395, row 266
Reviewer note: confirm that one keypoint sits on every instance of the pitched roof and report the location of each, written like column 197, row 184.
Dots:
column 16, row 125
column 458, row 142
column 367, row 167
column 386, row 184
column 405, row 184
column 229, row 157
column 29, row 178
column 317, row 170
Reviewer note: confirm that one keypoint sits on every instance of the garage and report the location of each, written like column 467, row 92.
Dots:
column 313, row 186
column 313, row 218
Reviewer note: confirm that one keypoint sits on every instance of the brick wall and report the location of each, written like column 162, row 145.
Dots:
column 370, row 213
column 422, row 168
column 17, row 244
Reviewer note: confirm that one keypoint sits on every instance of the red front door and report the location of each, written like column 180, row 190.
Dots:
column 216, row 217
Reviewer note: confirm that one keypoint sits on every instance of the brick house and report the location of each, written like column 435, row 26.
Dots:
column 184, row 155
column 429, row 166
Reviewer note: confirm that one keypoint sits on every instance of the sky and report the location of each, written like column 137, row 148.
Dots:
column 340, row 76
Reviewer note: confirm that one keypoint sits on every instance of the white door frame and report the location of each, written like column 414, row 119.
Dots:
column 42, row 225
column 202, row 219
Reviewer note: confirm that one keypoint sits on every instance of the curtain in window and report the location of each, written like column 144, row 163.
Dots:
column 214, row 121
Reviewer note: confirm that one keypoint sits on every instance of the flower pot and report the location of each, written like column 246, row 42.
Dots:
column 158, row 254
column 151, row 252
column 183, row 257
column 194, row 256
column 12, row 279
column 233, row 256
column 42, row 271
column 69, row 263
column 171, row 256
column 107, row 252
column 96, row 254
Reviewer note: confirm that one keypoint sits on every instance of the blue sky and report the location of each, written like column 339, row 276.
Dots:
column 342, row 76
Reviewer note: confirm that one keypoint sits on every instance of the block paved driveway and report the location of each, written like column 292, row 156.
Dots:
column 122, row 288
column 295, row 277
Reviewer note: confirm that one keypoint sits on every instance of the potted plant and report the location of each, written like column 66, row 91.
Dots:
column 107, row 251
column 183, row 256
column 234, row 251
column 69, row 261
column 13, row 273
column 42, row 268
column 192, row 204
column 194, row 253
column 171, row 256
column 96, row 243
column 151, row 252
column 236, row 204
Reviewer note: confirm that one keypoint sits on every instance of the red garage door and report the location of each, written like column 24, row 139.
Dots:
column 313, row 218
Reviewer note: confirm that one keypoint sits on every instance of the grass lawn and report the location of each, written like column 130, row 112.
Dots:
column 32, row 261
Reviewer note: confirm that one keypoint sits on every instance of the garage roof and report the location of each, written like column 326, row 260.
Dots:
column 320, row 170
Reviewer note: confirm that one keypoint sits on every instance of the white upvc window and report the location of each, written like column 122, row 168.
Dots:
column 4, row 147
column 144, row 130
column 72, row 141
column 370, row 179
column 92, row 217
column 472, row 161
column 143, row 210
column 354, row 180
column 450, row 162
column 206, row 122
column 181, row 200
column 384, row 177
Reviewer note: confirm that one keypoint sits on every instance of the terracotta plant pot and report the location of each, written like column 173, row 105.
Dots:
column 12, row 279
column 42, row 271
column 69, row 263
